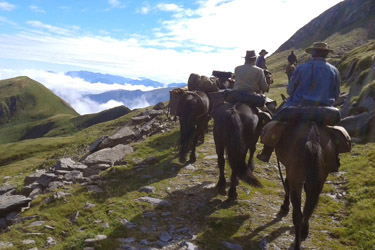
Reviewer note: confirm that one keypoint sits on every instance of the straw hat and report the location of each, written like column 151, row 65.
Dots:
column 318, row 46
column 250, row 54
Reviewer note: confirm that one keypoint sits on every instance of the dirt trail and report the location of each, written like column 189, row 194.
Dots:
column 252, row 220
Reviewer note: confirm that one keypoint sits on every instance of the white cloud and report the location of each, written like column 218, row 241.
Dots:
column 4, row 20
column 144, row 10
column 7, row 6
column 115, row 4
column 37, row 9
column 73, row 90
column 169, row 7
column 213, row 37
column 49, row 28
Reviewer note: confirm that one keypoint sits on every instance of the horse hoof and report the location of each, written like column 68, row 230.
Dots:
column 283, row 211
column 221, row 190
column 182, row 160
column 304, row 232
column 232, row 196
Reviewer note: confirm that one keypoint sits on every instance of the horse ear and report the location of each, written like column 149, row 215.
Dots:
column 283, row 97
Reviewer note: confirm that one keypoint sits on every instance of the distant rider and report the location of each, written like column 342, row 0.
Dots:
column 261, row 61
column 249, row 77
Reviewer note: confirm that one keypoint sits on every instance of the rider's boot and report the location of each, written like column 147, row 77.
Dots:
column 266, row 153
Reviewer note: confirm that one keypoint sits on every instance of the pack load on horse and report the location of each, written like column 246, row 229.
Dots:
column 238, row 124
column 192, row 106
column 305, row 136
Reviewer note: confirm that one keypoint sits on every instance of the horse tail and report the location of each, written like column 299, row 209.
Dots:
column 187, row 126
column 236, row 148
column 314, row 162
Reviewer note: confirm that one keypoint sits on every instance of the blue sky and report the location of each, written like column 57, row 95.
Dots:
column 162, row 40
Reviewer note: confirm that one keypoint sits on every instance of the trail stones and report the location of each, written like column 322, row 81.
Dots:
column 96, row 239
column 108, row 155
column 12, row 203
column 231, row 246
column 50, row 242
column 33, row 177
column 155, row 201
column 140, row 119
column 165, row 237
column 6, row 188
column 37, row 224
column 123, row 136
column 147, row 189
column 5, row 245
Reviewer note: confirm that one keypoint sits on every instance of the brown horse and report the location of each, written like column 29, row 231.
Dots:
column 309, row 155
column 193, row 112
column 236, row 130
column 289, row 70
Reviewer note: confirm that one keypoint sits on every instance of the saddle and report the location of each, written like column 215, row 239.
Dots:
column 322, row 115
column 252, row 99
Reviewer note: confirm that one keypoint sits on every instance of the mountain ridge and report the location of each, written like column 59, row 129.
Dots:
column 342, row 18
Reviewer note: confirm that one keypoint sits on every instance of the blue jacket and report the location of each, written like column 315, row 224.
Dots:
column 315, row 81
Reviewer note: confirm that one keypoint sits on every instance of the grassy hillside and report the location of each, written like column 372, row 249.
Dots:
column 33, row 101
column 28, row 110
column 343, row 220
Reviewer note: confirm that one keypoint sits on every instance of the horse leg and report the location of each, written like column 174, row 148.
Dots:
column 232, row 194
column 284, row 209
column 313, row 190
column 193, row 158
column 295, row 197
column 221, row 164
column 250, row 163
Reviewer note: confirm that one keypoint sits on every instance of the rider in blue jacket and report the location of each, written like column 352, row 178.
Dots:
column 314, row 83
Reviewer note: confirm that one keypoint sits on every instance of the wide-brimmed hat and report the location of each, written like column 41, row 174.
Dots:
column 318, row 46
column 250, row 54
column 263, row 51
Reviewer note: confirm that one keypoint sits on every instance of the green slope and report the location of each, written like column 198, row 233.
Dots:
column 23, row 99
column 29, row 110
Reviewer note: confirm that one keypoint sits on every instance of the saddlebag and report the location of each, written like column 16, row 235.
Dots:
column 202, row 83
column 272, row 132
column 322, row 115
column 216, row 99
column 341, row 138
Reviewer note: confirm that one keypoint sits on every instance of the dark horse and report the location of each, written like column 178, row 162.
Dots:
column 236, row 130
column 193, row 112
column 308, row 153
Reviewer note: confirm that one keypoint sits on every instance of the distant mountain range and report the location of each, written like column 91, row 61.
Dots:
column 133, row 99
column 130, row 98
column 111, row 79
